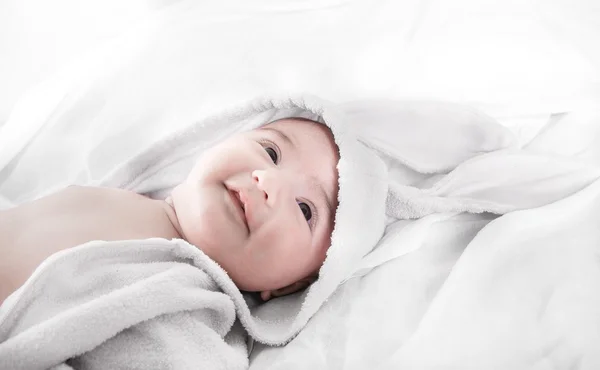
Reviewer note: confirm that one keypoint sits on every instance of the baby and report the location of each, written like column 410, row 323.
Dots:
column 261, row 204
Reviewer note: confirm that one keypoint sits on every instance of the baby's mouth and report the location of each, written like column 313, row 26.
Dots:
column 239, row 204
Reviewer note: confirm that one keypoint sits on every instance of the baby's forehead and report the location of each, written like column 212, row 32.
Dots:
column 298, row 124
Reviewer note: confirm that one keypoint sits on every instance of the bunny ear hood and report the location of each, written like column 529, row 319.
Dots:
column 375, row 176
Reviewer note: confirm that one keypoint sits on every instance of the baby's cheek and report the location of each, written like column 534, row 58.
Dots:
column 288, row 226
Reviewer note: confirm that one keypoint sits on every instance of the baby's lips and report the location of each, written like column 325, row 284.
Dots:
column 252, row 207
column 243, row 197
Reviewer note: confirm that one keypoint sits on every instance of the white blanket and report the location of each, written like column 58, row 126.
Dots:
column 450, row 167
column 515, row 58
column 519, row 60
column 523, row 295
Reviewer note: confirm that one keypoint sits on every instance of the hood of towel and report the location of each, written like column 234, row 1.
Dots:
column 382, row 145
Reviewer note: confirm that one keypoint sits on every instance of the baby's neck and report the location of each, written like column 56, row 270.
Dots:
column 169, row 209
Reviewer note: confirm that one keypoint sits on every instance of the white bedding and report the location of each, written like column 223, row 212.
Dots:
column 520, row 61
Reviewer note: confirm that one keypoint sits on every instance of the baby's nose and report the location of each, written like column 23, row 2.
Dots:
column 270, row 183
column 258, row 177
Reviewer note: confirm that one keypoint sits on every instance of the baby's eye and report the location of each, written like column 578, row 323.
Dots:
column 272, row 153
column 305, row 208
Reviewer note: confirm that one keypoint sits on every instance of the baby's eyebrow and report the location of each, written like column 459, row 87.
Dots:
column 281, row 135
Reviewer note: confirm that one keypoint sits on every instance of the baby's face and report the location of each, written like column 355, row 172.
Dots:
column 262, row 203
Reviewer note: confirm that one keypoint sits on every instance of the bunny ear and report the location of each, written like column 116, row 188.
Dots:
column 420, row 141
column 427, row 136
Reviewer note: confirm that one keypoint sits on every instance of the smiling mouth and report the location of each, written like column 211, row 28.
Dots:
column 239, row 205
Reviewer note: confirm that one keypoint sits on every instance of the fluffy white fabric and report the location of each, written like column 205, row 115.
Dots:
column 523, row 295
column 454, row 170
column 192, row 59
column 147, row 304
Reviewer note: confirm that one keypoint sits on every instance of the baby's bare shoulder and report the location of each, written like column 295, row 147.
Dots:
column 93, row 193
column 75, row 201
column 102, row 203
column 85, row 211
column 73, row 216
